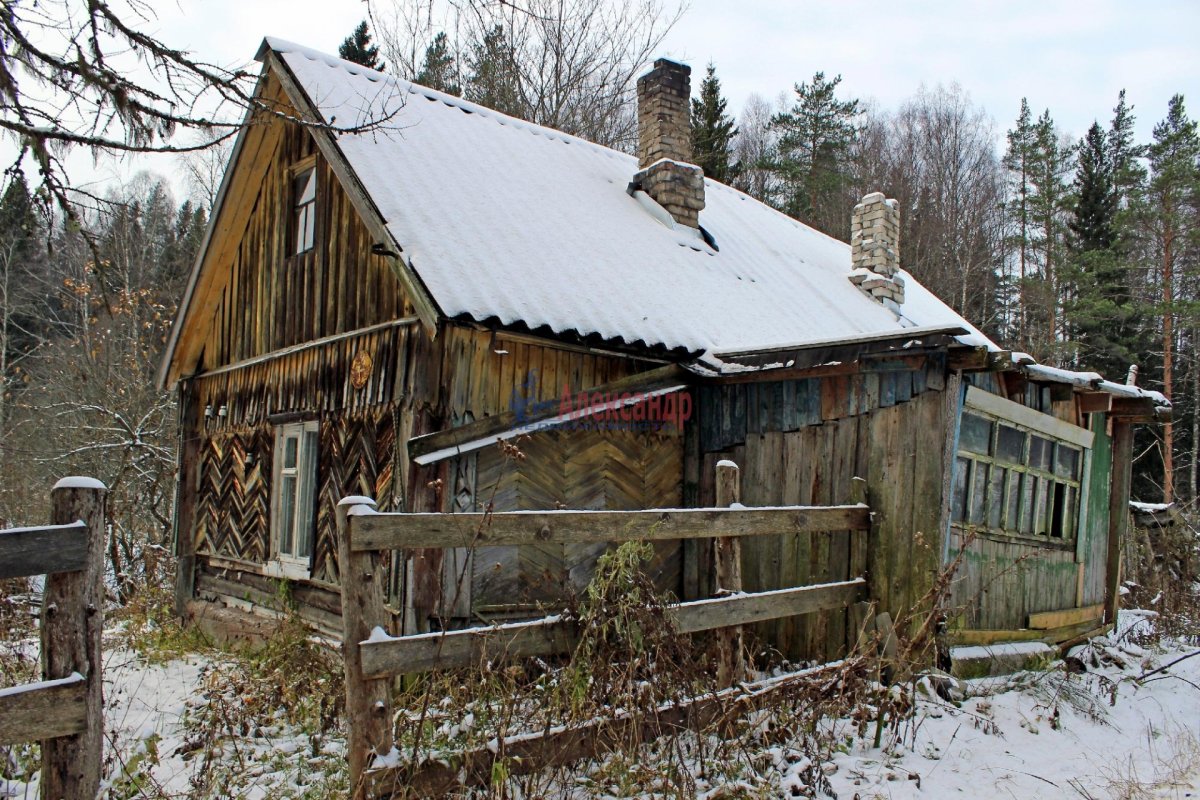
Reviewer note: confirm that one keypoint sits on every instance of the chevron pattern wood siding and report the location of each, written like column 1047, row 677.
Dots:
column 579, row 470
column 234, row 495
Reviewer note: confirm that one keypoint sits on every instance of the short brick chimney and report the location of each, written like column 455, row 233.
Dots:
column 664, row 97
column 875, row 250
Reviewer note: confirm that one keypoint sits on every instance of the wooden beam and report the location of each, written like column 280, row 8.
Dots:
column 1138, row 408
column 1118, row 514
column 967, row 359
column 1023, row 415
column 1095, row 402
column 72, row 629
column 727, row 564
column 402, row 655
column 524, row 754
column 1066, row 617
column 403, row 531
column 494, row 427
column 43, row 551
column 44, row 710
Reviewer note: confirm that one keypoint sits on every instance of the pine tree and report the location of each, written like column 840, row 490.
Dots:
column 493, row 81
column 1124, row 154
column 713, row 131
column 816, row 137
column 1050, row 162
column 439, row 70
column 357, row 47
column 1017, row 161
column 1170, row 218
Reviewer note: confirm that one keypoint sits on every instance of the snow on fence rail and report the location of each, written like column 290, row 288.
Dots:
column 373, row 658
column 64, row 710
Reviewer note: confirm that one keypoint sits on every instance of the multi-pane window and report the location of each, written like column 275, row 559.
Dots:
column 293, row 497
column 1013, row 479
column 304, row 209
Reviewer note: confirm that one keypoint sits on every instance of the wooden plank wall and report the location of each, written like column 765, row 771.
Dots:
column 272, row 299
column 1099, row 491
column 802, row 442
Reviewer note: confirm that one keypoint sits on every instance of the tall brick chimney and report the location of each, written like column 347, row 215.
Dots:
column 665, row 142
column 875, row 250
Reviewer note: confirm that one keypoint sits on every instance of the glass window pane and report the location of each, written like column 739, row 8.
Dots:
column 1069, row 531
column 1066, row 462
column 962, row 471
column 1058, row 511
column 1010, row 445
column 308, row 473
column 976, row 435
column 979, row 484
column 1014, row 502
column 1040, row 452
column 1027, row 485
column 305, row 187
column 995, row 500
column 1040, row 509
column 287, row 514
column 290, row 448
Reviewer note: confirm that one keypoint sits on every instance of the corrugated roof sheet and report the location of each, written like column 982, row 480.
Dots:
column 506, row 220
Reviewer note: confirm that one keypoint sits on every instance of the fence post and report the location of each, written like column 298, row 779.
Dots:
column 727, row 561
column 72, row 626
column 368, row 702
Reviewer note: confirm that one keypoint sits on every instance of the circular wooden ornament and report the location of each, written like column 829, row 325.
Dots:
column 360, row 369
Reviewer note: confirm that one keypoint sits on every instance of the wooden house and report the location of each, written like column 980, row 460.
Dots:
column 373, row 310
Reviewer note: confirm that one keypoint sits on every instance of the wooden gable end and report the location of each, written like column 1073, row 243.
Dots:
column 253, row 296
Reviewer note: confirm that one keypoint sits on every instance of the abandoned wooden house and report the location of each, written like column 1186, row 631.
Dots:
column 372, row 311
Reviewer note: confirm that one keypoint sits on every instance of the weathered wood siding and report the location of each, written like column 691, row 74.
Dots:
column 567, row 468
column 1003, row 579
column 801, row 442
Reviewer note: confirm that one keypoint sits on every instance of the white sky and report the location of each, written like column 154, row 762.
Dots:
column 1071, row 56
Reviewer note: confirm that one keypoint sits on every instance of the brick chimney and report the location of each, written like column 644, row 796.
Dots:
column 875, row 250
column 664, row 97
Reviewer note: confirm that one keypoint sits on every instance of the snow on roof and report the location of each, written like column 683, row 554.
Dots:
column 505, row 220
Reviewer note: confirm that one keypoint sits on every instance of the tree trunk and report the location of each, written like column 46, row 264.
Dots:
column 1168, row 342
column 1193, row 476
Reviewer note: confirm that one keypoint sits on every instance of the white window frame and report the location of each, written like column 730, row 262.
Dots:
column 304, row 207
column 292, row 544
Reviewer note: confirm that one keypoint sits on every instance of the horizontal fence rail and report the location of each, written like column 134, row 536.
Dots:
column 45, row 710
column 45, row 550
column 398, row 531
column 373, row 657
column 384, row 656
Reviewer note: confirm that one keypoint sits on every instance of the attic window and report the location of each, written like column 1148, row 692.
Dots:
column 304, row 209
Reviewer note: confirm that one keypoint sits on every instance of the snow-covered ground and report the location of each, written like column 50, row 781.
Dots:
column 1119, row 730
column 1102, row 734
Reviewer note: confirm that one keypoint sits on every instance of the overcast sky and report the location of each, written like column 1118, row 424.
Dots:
column 1069, row 56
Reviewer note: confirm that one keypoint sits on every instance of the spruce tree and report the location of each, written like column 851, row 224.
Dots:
column 1050, row 164
column 713, row 131
column 357, row 47
column 439, row 70
column 816, row 138
column 1100, row 310
column 493, row 79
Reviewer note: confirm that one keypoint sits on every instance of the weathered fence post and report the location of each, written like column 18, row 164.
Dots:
column 368, row 702
column 727, row 561
column 72, row 626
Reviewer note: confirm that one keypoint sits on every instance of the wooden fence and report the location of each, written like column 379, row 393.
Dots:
column 65, row 710
column 373, row 658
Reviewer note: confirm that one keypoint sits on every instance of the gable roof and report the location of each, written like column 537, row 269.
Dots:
column 505, row 221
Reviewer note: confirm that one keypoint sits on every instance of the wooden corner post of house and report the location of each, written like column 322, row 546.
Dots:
column 368, row 702
column 727, row 562
column 72, row 627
